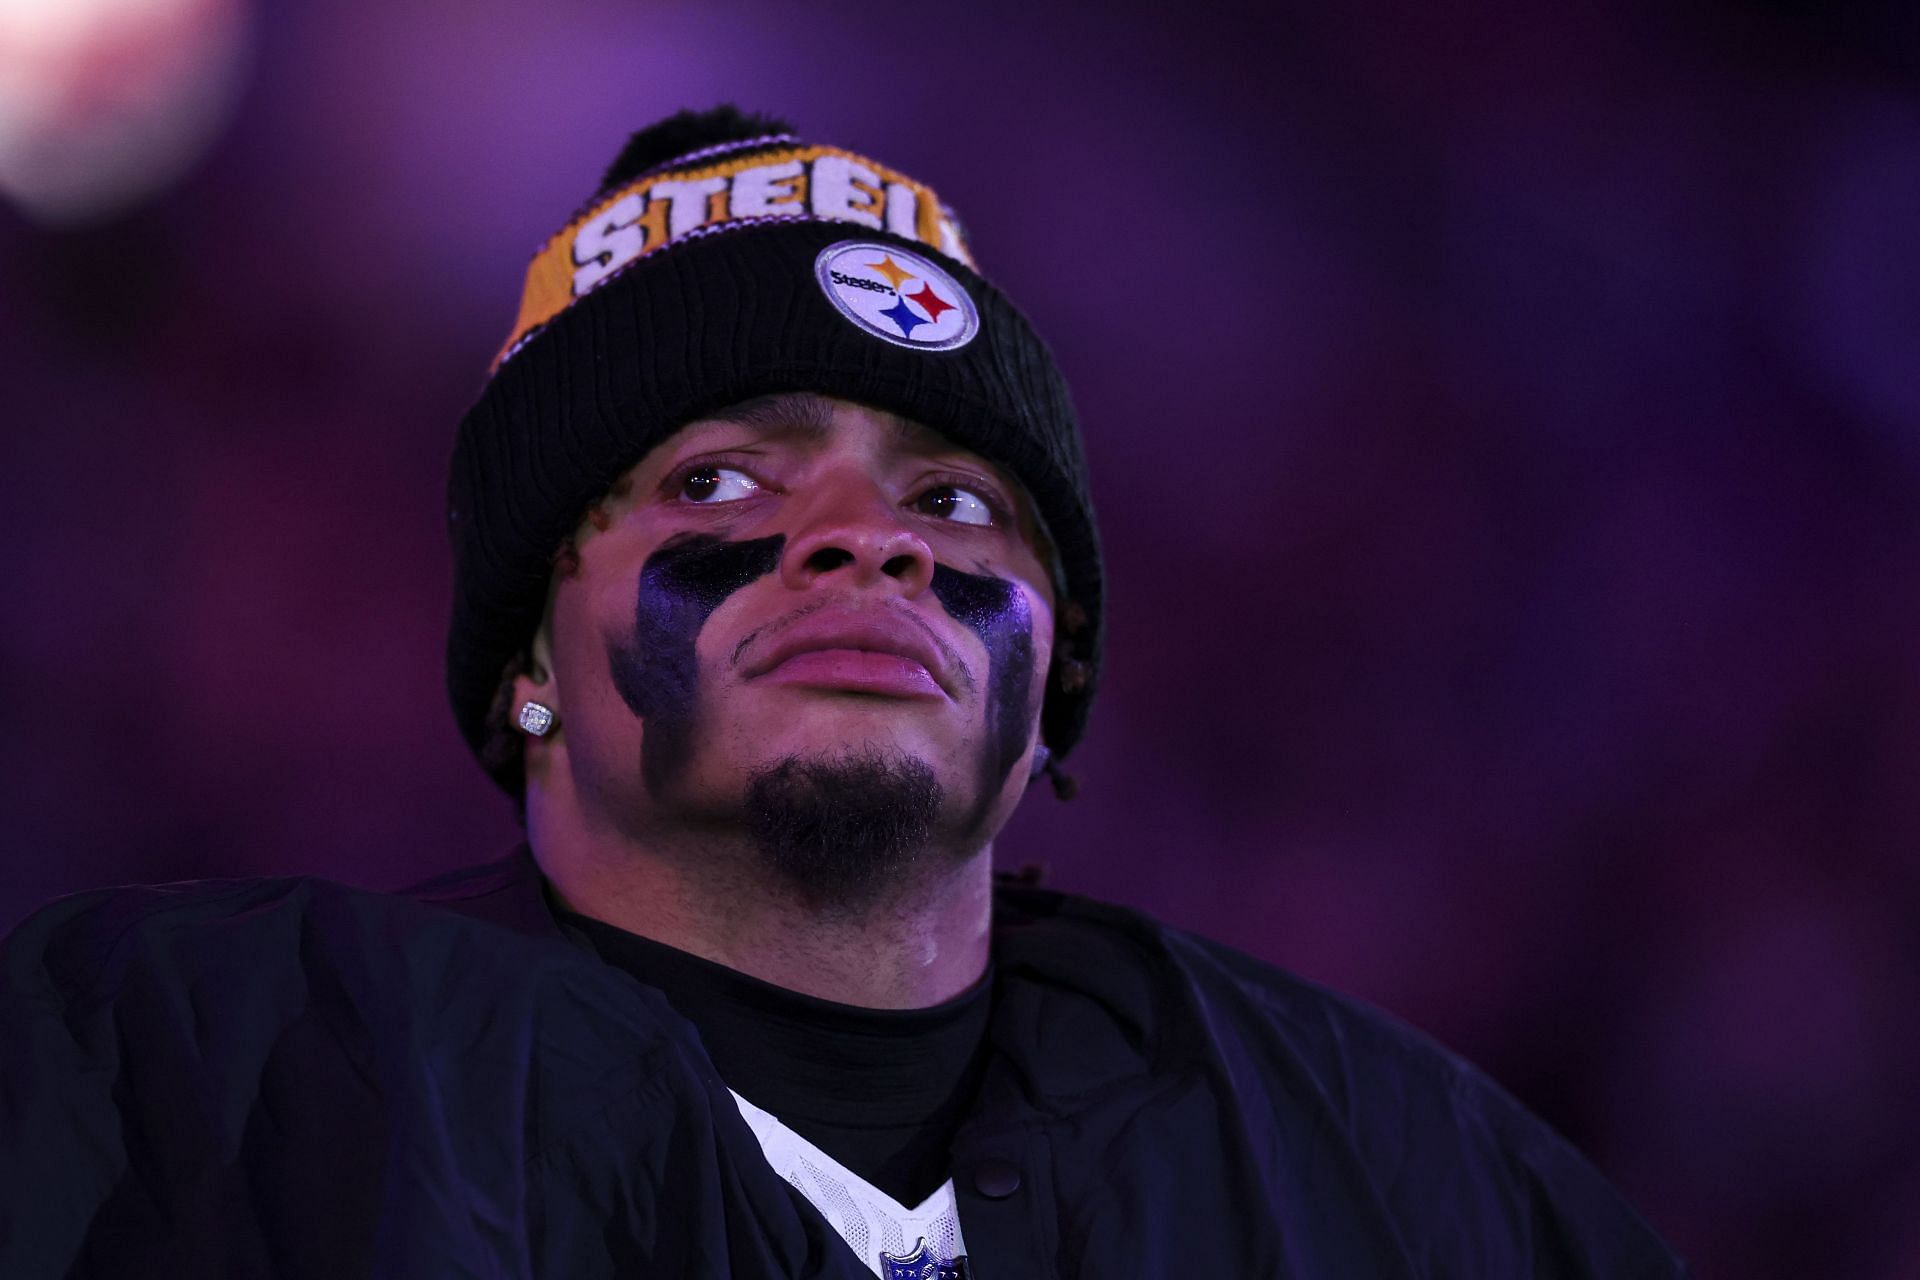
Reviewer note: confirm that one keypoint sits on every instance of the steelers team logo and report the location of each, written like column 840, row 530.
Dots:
column 897, row 295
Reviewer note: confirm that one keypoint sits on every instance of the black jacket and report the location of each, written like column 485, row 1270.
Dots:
column 294, row 1078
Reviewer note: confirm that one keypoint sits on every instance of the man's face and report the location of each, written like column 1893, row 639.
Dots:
column 799, row 582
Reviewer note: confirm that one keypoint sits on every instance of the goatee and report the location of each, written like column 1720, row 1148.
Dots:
column 843, row 830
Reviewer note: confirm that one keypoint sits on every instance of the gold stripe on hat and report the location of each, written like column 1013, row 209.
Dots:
column 659, row 209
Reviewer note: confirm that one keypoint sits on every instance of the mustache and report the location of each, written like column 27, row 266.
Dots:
column 956, row 664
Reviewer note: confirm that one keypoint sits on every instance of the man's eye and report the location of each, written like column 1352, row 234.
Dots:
column 951, row 502
column 717, row 484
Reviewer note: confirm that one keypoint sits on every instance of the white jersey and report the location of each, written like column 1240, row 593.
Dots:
column 867, row 1218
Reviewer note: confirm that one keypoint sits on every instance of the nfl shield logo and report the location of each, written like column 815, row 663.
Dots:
column 918, row 1265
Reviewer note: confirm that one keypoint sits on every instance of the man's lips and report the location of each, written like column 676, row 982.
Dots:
column 871, row 651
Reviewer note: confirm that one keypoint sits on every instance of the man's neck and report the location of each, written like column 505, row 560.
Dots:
column 921, row 943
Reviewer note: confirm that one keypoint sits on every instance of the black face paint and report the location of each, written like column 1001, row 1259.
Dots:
column 995, row 610
column 657, row 672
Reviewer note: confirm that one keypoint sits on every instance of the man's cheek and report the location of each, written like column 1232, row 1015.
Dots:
column 997, row 611
column 656, row 668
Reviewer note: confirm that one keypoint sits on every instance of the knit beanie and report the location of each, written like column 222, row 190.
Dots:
column 723, row 258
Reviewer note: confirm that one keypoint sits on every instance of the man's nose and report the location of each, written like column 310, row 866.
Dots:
column 846, row 526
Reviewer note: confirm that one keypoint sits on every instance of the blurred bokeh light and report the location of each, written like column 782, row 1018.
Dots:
column 103, row 103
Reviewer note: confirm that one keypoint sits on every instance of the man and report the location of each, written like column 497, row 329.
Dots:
column 776, row 584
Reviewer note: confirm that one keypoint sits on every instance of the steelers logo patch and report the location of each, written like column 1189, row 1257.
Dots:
column 897, row 295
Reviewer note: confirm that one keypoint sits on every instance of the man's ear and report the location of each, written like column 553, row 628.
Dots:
column 1040, row 760
column 535, row 683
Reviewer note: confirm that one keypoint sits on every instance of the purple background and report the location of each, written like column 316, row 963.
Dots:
column 1506, row 431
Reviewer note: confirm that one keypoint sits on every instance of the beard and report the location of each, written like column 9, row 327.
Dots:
column 843, row 830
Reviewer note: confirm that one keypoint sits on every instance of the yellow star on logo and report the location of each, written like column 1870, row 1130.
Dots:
column 891, row 270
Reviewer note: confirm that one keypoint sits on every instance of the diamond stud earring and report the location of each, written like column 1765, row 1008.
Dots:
column 536, row 718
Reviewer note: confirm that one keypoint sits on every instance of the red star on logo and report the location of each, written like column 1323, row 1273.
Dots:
column 930, row 300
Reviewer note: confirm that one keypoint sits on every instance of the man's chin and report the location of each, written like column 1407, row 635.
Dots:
column 843, row 827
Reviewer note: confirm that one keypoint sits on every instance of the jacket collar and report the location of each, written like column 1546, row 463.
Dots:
column 1086, row 995
column 508, row 891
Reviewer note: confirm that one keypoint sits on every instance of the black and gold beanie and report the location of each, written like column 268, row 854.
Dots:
column 721, row 259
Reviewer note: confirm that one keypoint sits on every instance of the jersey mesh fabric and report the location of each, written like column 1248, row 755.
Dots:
column 868, row 1219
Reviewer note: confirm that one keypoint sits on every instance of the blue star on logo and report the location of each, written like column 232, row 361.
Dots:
column 901, row 314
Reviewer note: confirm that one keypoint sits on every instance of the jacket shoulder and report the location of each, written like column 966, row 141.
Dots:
column 240, row 932
column 1443, row 1140
column 1266, row 1018
column 328, row 1057
column 1331, row 1088
column 74, row 942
